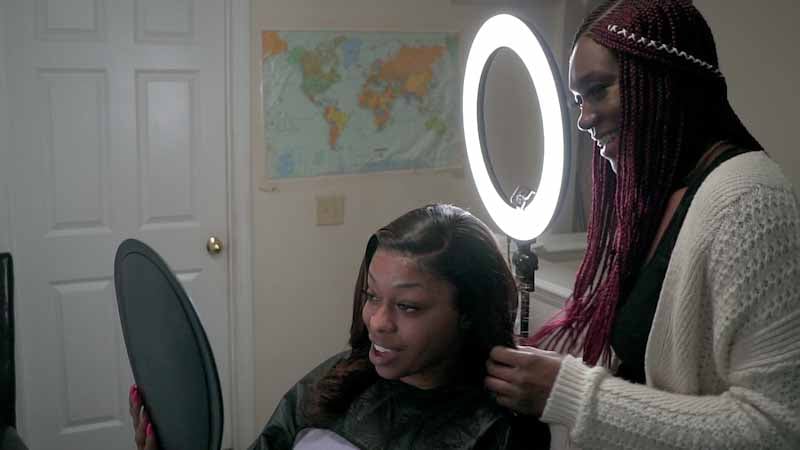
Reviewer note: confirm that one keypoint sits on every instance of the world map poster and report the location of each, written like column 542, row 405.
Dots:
column 359, row 102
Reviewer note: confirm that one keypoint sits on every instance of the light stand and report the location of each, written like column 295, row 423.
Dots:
column 525, row 265
column 525, row 262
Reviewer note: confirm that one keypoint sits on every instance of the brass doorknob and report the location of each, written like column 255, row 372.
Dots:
column 214, row 245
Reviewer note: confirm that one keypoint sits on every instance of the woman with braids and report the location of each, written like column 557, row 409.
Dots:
column 433, row 296
column 685, row 314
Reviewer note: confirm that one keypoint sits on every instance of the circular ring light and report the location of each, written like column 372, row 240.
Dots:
column 506, row 31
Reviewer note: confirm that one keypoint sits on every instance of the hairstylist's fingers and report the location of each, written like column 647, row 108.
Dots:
column 506, row 355
column 518, row 357
column 500, row 371
column 522, row 349
column 499, row 387
column 512, row 397
column 522, row 378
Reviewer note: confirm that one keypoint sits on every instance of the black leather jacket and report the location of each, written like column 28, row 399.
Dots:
column 393, row 415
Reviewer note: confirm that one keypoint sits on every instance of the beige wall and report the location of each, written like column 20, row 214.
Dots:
column 757, row 44
column 304, row 273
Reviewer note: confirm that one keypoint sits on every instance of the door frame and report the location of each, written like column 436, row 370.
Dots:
column 239, row 218
column 240, row 230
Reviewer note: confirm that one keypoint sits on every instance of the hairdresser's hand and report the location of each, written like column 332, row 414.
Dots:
column 522, row 378
column 144, row 435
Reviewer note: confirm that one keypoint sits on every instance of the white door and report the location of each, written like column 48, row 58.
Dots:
column 118, row 130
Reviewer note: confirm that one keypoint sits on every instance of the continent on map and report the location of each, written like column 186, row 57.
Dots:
column 337, row 120
column 437, row 125
column 379, row 102
column 272, row 44
column 351, row 50
column 407, row 73
column 319, row 67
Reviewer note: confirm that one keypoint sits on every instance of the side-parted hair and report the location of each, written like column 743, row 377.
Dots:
column 457, row 247
column 674, row 107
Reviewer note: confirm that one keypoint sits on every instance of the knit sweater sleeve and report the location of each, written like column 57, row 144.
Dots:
column 748, row 280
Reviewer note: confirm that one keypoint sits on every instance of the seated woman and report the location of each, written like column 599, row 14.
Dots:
column 433, row 296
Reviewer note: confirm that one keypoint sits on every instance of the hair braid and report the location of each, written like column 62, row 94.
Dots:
column 674, row 107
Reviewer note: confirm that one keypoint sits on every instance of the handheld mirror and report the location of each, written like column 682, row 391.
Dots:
column 168, row 350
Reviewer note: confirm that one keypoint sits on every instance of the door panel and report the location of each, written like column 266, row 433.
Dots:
column 118, row 131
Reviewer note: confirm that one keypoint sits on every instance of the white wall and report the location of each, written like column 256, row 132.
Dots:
column 757, row 44
column 5, row 150
column 304, row 273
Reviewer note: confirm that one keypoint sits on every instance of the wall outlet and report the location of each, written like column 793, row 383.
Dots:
column 330, row 210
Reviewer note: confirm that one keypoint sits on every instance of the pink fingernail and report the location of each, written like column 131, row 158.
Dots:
column 132, row 390
column 149, row 429
column 136, row 397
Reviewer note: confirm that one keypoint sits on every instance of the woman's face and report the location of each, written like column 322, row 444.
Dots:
column 412, row 321
column 594, row 81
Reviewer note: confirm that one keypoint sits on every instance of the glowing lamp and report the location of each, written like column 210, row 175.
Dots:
column 522, row 218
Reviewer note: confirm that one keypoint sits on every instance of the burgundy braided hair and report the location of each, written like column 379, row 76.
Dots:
column 673, row 110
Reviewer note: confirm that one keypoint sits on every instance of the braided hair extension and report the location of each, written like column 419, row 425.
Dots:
column 674, row 108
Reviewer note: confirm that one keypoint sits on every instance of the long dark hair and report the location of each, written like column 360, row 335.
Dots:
column 454, row 245
column 674, row 108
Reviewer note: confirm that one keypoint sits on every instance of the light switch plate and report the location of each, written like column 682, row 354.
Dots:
column 330, row 210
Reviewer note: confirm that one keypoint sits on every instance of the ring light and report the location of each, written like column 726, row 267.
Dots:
column 520, row 222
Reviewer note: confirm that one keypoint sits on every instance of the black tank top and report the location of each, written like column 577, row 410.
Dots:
column 634, row 316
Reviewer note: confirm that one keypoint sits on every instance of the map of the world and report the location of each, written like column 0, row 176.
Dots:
column 358, row 102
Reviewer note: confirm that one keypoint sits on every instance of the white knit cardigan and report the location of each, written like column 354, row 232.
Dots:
column 723, row 356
